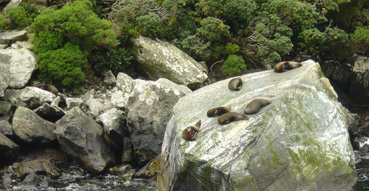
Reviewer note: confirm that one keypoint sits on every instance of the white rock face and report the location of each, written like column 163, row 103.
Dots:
column 298, row 142
column 162, row 59
column 20, row 63
column 9, row 36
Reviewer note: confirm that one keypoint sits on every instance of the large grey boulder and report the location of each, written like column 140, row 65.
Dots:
column 298, row 142
column 29, row 96
column 4, row 78
column 149, row 108
column 20, row 63
column 31, row 128
column 161, row 59
column 8, row 149
column 82, row 138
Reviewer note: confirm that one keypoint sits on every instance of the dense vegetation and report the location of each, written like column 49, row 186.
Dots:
column 238, row 34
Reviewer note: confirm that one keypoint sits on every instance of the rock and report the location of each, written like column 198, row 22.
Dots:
column 359, row 86
column 31, row 179
column 8, row 149
column 44, row 166
column 149, row 108
column 7, row 180
column 82, row 138
column 4, row 78
column 120, row 169
column 31, row 128
column 150, row 170
column 120, row 94
column 11, row 4
column 127, row 150
column 10, row 37
column 97, row 102
column 6, row 128
column 49, row 112
column 5, row 108
column 30, row 97
column 110, row 79
column 20, row 63
column 75, row 102
column 114, row 128
column 169, row 84
column 298, row 142
column 158, row 59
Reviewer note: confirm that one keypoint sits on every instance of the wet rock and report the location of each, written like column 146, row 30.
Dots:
column 42, row 166
column 6, row 128
column 8, row 149
column 49, row 112
column 7, row 180
column 158, row 59
column 9, row 37
column 149, row 109
column 298, row 142
column 120, row 169
column 82, row 138
column 150, row 170
column 31, row 128
column 127, row 150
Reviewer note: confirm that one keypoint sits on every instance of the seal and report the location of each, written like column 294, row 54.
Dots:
column 286, row 65
column 235, row 84
column 255, row 105
column 217, row 111
column 189, row 134
column 231, row 116
column 293, row 65
column 48, row 87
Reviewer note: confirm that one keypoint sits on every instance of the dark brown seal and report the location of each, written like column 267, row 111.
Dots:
column 217, row 111
column 189, row 134
column 231, row 116
column 286, row 65
column 235, row 84
column 48, row 87
column 255, row 105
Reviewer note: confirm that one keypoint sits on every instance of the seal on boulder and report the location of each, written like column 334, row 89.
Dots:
column 286, row 65
column 255, row 105
column 235, row 84
column 48, row 87
column 217, row 111
column 231, row 116
column 189, row 134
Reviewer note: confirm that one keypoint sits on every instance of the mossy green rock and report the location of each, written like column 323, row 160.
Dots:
column 298, row 142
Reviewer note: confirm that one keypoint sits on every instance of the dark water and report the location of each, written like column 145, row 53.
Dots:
column 362, row 169
column 98, row 183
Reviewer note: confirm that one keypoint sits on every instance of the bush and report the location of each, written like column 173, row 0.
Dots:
column 360, row 40
column 62, row 66
column 234, row 65
column 213, row 30
column 19, row 17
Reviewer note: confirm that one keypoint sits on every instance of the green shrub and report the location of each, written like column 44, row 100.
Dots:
column 213, row 30
column 360, row 40
column 2, row 22
column 48, row 40
column 234, row 65
column 62, row 66
column 149, row 25
column 19, row 17
column 117, row 60
column 231, row 49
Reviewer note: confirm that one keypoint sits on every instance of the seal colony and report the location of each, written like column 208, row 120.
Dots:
column 224, row 112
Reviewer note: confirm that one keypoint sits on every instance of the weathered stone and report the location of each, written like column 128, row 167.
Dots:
column 31, row 128
column 127, row 150
column 359, row 87
column 120, row 93
column 6, row 128
column 149, row 109
column 21, row 64
column 44, row 166
column 50, row 113
column 8, row 149
column 97, row 102
column 9, row 37
column 4, row 78
column 110, row 79
column 5, row 108
column 82, row 138
column 7, row 180
column 11, row 4
column 158, row 59
column 75, row 102
column 298, row 142
column 31, row 179
column 167, row 83
column 150, row 170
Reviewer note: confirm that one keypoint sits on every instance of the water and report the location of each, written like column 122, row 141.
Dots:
column 362, row 169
